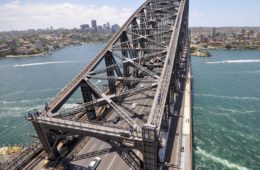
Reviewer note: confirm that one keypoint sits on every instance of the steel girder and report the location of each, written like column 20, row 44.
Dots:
column 157, row 31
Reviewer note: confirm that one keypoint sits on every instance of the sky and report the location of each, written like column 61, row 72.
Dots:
column 224, row 13
column 33, row 14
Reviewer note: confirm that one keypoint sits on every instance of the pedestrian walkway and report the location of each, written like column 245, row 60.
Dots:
column 186, row 141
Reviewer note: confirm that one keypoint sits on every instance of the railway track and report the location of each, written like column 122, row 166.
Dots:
column 34, row 162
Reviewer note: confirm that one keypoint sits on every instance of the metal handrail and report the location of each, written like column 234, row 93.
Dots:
column 106, row 128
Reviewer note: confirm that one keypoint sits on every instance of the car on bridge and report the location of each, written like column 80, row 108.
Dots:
column 116, row 120
column 94, row 163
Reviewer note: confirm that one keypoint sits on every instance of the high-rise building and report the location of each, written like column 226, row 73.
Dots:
column 94, row 25
column 214, row 33
column 108, row 25
column 84, row 27
column 115, row 28
column 100, row 28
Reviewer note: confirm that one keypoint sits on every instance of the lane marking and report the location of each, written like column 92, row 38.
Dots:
column 111, row 163
column 87, row 161
column 106, row 145
column 92, row 147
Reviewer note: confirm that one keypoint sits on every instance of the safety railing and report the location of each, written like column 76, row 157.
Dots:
column 104, row 129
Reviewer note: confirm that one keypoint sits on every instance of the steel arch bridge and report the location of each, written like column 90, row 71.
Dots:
column 149, row 56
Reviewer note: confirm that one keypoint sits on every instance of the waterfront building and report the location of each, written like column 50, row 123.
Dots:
column 38, row 44
column 4, row 50
column 12, row 44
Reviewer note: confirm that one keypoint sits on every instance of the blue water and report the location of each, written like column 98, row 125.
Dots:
column 226, row 108
column 27, row 83
column 226, row 101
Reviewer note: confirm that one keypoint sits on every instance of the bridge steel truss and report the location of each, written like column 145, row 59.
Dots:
column 150, row 52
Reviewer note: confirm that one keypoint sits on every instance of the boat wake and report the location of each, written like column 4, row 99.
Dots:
column 227, row 97
column 236, row 111
column 219, row 160
column 17, row 111
column 42, row 63
column 28, row 91
column 234, row 61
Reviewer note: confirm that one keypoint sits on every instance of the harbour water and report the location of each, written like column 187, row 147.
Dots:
column 226, row 101
column 226, row 110
column 28, row 83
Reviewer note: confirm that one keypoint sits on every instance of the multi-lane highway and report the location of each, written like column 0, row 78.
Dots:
column 138, row 107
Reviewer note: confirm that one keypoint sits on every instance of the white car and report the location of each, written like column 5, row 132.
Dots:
column 94, row 163
column 133, row 106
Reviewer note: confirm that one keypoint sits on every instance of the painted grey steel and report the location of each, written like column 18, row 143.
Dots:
column 148, row 54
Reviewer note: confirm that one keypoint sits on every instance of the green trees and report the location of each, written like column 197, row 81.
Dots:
column 228, row 46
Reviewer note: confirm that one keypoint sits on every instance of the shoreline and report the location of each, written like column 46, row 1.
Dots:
column 235, row 49
column 25, row 56
column 201, row 54
column 205, row 52
column 46, row 53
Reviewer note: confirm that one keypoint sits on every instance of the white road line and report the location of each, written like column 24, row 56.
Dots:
column 111, row 162
column 92, row 147
column 106, row 154
column 103, row 145
column 86, row 161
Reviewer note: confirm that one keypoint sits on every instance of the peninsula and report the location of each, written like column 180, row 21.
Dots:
column 43, row 41
column 230, row 38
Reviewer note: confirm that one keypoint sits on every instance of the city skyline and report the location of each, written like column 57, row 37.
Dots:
column 24, row 15
column 28, row 14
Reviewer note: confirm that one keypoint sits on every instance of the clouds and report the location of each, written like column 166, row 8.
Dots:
column 224, row 13
column 19, row 16
column 198, row 14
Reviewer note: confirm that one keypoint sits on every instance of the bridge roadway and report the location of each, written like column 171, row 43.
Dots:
column 133, row 105
column 112, row 160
